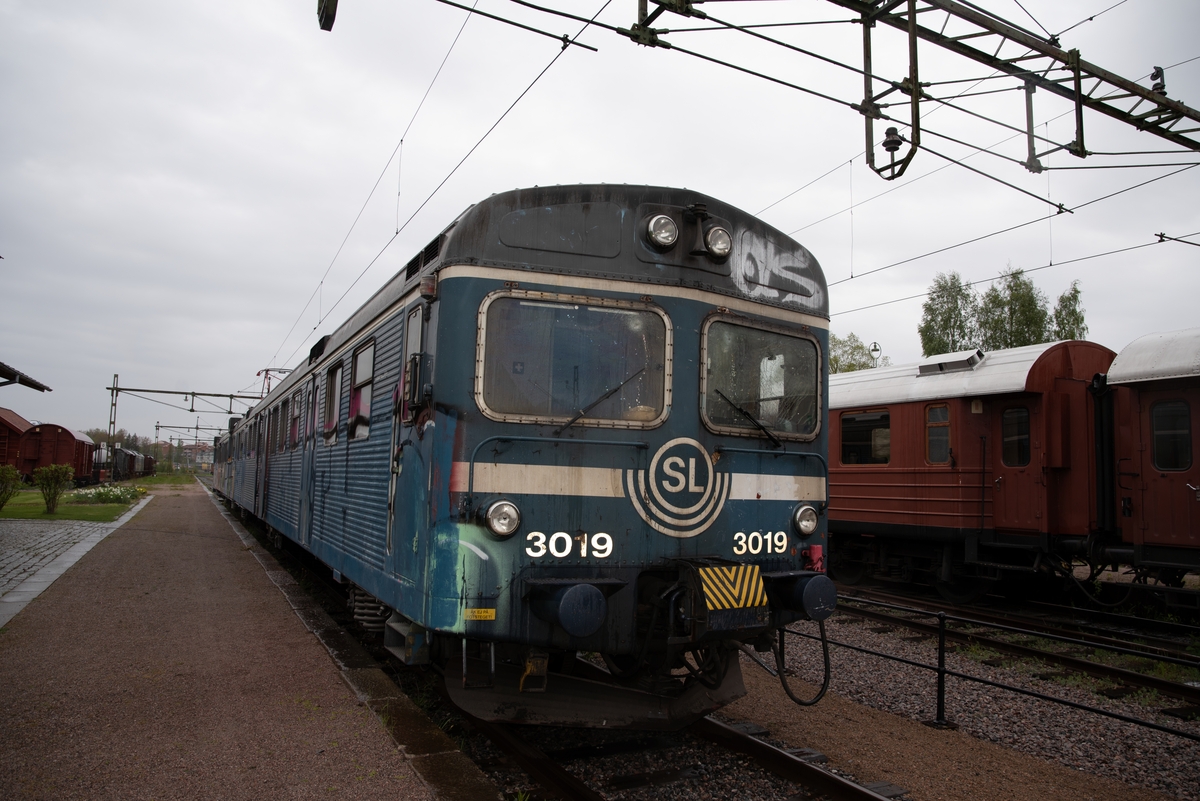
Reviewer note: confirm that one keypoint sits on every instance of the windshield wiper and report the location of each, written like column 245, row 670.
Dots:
column 583, row 412
column 774, row 439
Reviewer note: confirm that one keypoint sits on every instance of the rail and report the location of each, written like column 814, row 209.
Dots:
column 942, row 671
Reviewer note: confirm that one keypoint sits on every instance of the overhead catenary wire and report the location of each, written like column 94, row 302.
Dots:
column 371, row 194
column 1005, row 230
column 449, row 175
column 999, row 277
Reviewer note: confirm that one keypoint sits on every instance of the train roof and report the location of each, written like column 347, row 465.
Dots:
column 970, row 373
column 507, row 230
column 14, row 420
column 1156, row 357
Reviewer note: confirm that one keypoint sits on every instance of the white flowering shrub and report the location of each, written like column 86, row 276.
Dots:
column 107, row 494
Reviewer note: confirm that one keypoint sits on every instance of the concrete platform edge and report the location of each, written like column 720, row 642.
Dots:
column 437, row 760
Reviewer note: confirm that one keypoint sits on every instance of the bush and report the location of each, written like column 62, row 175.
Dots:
column 53, row 481
column 10, row 482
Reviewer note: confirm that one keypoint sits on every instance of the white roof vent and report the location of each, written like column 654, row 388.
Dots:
column 959, row 362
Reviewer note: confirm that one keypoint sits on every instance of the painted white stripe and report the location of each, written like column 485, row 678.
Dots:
column 751, row 486
column 537, row 479
column 603, row 482
column 579, row 282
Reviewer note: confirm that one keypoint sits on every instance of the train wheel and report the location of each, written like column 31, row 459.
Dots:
column 846, row 570
column 963, row 589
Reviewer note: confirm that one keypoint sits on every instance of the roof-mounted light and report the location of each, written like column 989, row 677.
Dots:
column 719, row 242
column 662, row 231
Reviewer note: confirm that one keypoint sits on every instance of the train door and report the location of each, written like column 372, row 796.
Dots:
column 1016, row 468
column 408, row 484
column 308, row 460
column 261, row 468
column 1170, row 468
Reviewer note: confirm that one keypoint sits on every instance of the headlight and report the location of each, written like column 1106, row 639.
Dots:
column 805, row 520
column 503, row 518
column 718, row 241
column 662, row 231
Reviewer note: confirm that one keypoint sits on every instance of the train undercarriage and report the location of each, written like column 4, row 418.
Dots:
column 963, row 572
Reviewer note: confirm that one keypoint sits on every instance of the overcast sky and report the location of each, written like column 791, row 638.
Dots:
column 176, row 178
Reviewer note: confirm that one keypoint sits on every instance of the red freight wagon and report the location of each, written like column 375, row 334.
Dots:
column 1157, row 478
column 45, row 444
column 966, row 466
column 12, row 426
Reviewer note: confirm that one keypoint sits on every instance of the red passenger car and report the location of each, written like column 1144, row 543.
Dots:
column 1155, row 388
column 967, row 466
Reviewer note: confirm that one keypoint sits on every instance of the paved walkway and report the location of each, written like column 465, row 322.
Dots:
column 166, row 664
column 33, row 553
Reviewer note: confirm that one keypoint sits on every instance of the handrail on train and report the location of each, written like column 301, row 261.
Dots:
column 802, row 454
column 555, row 440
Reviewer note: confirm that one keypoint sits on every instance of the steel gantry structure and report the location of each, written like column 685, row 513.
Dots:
column 1036, row 61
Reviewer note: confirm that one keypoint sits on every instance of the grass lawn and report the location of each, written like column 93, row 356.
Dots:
column 28, row 505
column 167, row 478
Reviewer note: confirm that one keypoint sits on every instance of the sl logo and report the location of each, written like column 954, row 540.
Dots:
column 681, row 494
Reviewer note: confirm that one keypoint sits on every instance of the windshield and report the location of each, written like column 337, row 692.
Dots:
column 546, row 360
column 753, row 375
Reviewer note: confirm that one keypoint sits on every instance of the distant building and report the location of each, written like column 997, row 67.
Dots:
column 197, row 455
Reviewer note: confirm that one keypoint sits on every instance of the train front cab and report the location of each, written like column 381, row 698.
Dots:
column 513, row 446
column 964, row 467
column 1155, row 388
column 601, row 495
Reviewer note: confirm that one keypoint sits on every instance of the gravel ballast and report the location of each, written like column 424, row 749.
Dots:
column 1006, row 747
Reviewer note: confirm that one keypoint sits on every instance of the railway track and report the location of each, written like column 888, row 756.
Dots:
column 710, row 749
column 1034, row 641
column 1157, row 637
column 801, row 777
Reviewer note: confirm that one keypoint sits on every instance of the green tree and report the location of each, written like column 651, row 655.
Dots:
column 847, row 354
column 53, row 481
column 1068, row 315
column 10, row 482
column 948, row 318
column 1013, row 313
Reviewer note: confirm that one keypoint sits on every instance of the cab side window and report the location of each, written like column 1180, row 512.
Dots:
column 937, row 434
column 1171, row 432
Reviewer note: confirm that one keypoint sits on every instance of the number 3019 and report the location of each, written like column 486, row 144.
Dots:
column 757, row 542
column 561, row 544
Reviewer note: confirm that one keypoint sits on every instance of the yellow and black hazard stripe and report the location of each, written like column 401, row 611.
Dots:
column 732, row 587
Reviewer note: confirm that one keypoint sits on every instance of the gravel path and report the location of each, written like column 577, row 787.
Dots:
column 1007, row 746
column 166, row 665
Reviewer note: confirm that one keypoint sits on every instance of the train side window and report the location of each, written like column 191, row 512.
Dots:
column 281, row 422
column 1171, row 432
column 937, row 434
column 1014, row 433
column 360, row 392
column 866, row 438
column 294, row 427
column 333, row 394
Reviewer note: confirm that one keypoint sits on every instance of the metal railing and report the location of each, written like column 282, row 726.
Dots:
column 942, row 671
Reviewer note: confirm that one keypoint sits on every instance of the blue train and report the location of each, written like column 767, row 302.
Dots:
column 573, row 455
